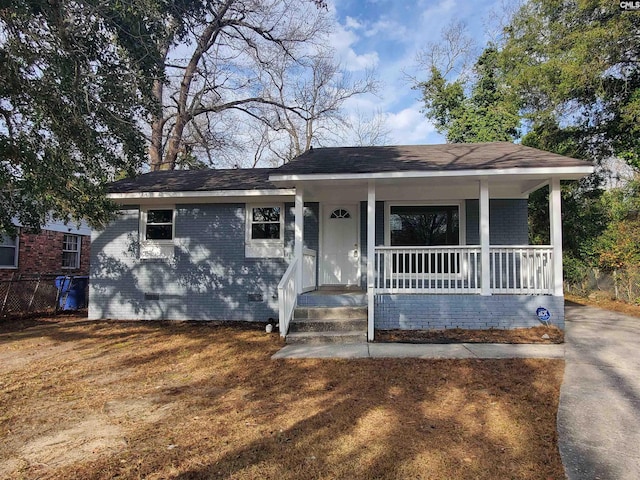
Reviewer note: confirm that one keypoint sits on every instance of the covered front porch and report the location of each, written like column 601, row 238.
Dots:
column 434, row 285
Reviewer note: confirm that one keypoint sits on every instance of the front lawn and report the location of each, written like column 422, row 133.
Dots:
column 82, row 399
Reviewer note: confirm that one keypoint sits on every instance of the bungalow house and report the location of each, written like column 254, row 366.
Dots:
column 430, row 236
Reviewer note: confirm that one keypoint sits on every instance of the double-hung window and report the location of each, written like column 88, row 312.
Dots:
column 265, row 231
column 71, row 251
column 157, row 232
column 8, row 251
column 159, row 224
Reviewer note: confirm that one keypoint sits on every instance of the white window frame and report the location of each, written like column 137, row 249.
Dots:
column 263, row 248
column 462, row 217
column 77, row 252
column 150, row 248
column 16, row 252
column 462, row 229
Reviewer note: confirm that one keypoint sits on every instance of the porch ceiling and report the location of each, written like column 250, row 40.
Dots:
column 507, row 186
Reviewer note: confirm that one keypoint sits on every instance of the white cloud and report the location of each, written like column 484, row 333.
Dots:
column 389, row 29
column 343, row 40
column 352, row 23
column 410, row 126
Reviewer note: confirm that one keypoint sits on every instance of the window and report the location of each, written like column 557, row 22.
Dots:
column 264, row 231
column 8, row 252
column 159, row 225
column 265, row 223
column 340, row 213
column 71, row 251
column 157, row 232
column 424, row 225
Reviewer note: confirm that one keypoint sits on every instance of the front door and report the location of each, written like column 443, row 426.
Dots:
column 340, row 246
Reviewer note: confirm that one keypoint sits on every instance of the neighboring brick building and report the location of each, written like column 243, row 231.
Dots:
column 57, row 250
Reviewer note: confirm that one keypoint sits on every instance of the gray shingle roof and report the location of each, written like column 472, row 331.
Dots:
column 451, row 156
column 345, row 160
column 196, row 180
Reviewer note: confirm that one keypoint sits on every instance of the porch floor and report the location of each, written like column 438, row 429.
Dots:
column 336, row 290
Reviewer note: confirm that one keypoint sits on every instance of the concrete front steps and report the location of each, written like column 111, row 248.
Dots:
column 317, row 325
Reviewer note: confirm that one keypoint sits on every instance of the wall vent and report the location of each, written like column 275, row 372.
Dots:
column 152, row 296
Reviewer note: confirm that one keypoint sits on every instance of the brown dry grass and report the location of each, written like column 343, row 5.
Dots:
column 151, row 400
column 601, row 301
column 460, row 335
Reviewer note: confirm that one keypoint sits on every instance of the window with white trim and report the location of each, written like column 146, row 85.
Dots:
column 265, row 231
column 71, row 251
column 159, row 224
column 424, row 226
column 8, row 251
column 157, row 232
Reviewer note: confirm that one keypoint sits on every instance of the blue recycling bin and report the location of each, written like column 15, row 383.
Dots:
column 73, row 292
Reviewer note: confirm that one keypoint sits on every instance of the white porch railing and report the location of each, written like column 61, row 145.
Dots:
column 287, row 297
column 522, row 270
column 309, row 277
column 427, row 269
column 517, row 270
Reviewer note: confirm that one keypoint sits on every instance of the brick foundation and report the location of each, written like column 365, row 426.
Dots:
column 423, row 312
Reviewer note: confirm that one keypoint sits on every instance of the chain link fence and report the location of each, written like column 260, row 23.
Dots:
column 29, row 294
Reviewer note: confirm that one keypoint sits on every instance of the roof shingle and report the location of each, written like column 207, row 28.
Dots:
column 451, row 156
column 196, row 180
column 350, row 160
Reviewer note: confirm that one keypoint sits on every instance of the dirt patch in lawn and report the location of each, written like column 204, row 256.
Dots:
column 151, row 400
column 540, row 334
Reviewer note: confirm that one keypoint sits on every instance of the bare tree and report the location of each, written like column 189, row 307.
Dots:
column 453, row 55
column 214, row 56
column 368, row 130
column 318, row 88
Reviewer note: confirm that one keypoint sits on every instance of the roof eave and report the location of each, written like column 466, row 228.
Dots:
column 278, row 192
column 564, row 173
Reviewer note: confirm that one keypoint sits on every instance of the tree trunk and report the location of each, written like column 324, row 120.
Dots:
column 157, row 125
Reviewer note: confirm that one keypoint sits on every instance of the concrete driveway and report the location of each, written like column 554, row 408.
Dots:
column 599, row 413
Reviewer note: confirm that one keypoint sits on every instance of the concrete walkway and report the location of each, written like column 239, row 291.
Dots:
column 406, row 350
column 599, row 413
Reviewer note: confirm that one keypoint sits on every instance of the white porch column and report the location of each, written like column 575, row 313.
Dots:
column 485, row 258
column 298, row 237
column 371, row 246
column 555, row 227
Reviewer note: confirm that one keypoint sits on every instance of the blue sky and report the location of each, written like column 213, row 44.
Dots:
column 387, row 35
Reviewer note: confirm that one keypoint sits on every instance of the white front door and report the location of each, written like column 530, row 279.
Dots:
column 340, row 245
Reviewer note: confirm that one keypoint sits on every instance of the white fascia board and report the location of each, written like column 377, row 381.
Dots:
column 281, row 192
column 567, row 173
column 59, row 226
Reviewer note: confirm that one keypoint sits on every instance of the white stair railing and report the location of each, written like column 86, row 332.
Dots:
column 287, row 297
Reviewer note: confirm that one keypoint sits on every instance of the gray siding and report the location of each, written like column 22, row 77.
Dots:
column 422, row 312
column 209, row 277
column 508, row 222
